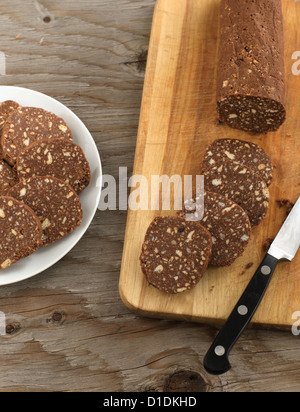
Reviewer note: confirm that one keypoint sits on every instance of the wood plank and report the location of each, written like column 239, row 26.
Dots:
column 178, row 121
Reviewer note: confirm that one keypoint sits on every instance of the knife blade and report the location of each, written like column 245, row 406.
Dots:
column 285, row 246
column 287, row 242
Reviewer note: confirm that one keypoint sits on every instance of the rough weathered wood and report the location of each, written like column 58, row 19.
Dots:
column 67, row 329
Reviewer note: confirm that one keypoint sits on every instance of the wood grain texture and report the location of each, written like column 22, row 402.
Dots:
column 178, row 123
column 67, row 329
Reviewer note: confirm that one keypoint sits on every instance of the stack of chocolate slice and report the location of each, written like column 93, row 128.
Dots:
column 42, row 172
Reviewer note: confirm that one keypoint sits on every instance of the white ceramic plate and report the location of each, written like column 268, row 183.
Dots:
column 90, row 197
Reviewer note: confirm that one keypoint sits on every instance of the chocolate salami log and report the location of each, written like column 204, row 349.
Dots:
column 250, row 81
column 240, row 184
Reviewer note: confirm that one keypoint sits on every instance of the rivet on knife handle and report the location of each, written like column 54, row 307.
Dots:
column 216, row 361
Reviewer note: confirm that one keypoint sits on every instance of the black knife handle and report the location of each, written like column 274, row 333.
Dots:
column 216, row 361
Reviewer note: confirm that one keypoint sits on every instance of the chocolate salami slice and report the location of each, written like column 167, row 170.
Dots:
column 6, row 109
column 26, row 125
column 246, row 153
column 58, row 158
column 8, row 177
column 175, row 254
column 227, row 223
column 251, row 79
column 20, row 229
column 54, row 202
column 241, row 185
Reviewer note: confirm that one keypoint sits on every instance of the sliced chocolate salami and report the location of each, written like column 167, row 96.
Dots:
column 227, row 223
column 246, row 153
column 251, row 77
column 54, row 202
column 20, row 231
column 175, row 254
column 58, row 158
column 6, row 109
column 8, row 177
column 26, row 125
column 241, row 185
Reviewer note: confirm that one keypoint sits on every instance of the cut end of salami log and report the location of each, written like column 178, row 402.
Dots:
column 250, row 81
column 251, row 114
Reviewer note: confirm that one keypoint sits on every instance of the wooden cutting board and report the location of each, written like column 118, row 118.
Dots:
column 178, row 121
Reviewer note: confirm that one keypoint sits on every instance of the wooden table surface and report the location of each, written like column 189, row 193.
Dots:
column 67, row 329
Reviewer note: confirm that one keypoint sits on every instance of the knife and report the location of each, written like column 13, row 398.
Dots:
column 285, row 246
